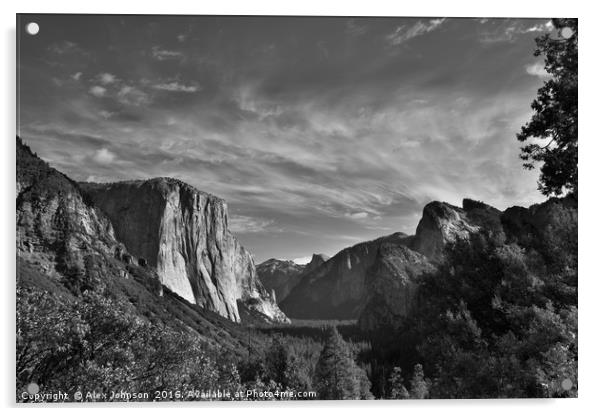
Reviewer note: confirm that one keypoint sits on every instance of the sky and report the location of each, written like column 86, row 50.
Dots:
column 318, row 132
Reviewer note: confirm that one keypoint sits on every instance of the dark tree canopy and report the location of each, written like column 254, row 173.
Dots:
column 551, row 134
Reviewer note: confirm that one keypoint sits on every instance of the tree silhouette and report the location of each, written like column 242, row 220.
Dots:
column 552, row 130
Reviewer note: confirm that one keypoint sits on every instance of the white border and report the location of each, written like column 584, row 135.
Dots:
column 590, row 372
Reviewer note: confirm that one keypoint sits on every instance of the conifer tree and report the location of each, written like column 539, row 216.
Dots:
column 419, row 386
column 397, row 390
column 337, row 377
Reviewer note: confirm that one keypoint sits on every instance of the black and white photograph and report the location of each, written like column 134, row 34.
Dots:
column 295, row 208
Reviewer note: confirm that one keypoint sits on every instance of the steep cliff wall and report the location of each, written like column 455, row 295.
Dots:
column 183, row 232
column 441, row 223
column 336, row 289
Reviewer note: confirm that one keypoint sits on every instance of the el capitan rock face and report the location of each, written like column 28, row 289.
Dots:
column 183, row 232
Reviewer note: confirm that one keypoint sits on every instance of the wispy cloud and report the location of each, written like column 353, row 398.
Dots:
column 542, row 27
column 131, row 95
column 404, row 33
column 510, row 29
column 175, row 86
column 357, row 215
column 246, row 224
column 161, row 54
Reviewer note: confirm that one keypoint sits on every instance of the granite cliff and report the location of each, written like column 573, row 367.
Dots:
column 336, row 289
column 441, row 223
column 183, row 233
column 391, row 285
column 281, row 276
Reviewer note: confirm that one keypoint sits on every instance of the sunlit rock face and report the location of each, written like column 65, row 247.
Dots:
column 441, row 223
column 183, row 232
column 316, row 261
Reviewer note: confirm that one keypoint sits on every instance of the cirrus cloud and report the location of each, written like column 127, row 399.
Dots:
column 176, row 87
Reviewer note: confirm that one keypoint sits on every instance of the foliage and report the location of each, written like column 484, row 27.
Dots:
column 397, row 390
column 491, row 325
column 555, row 118
column 337, row 376
column 420, row 386
column 93, row 344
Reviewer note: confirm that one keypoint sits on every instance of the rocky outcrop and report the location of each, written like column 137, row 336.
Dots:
column 56, row 226
column 183, row 233
column 441, row 223
column 316, row 261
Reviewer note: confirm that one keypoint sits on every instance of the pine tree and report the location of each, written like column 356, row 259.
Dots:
column 397, row 390
column 419, row 386
column 282, row 366
column 337, row 377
